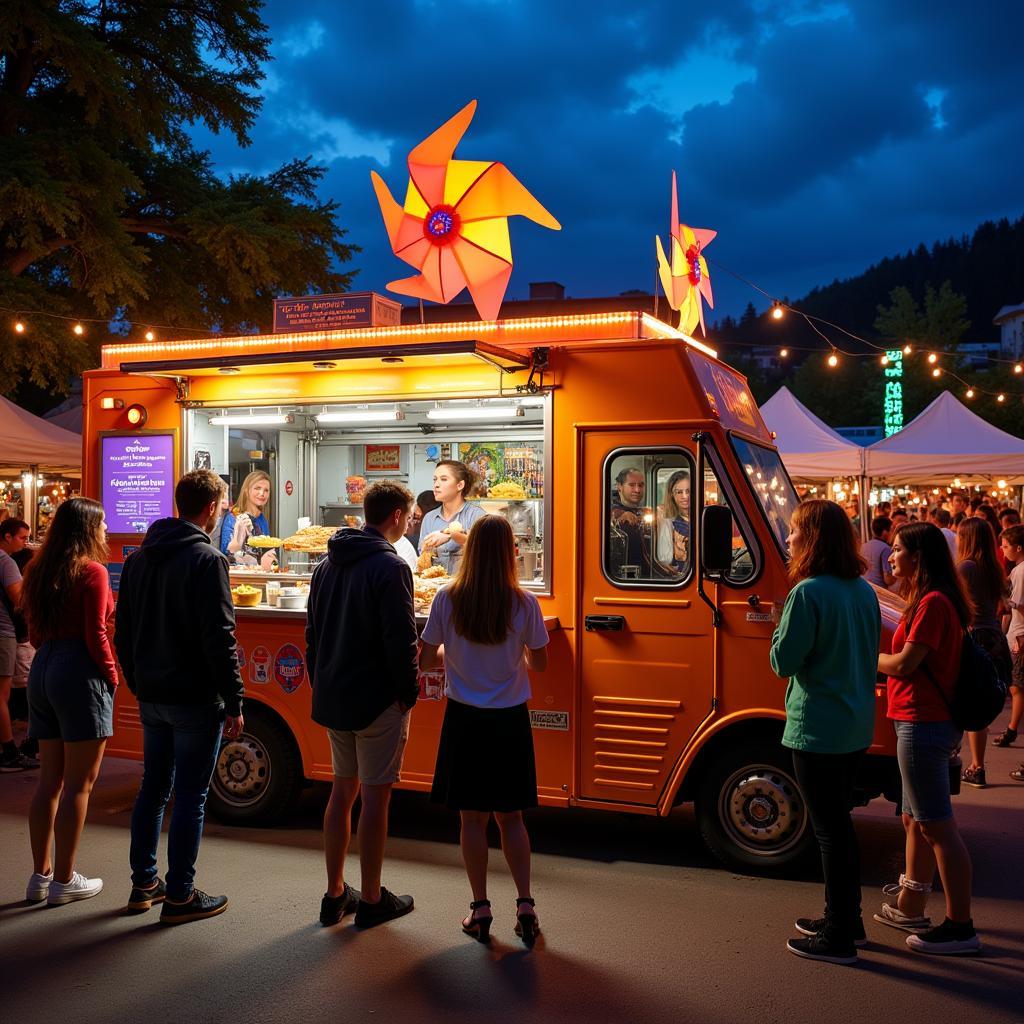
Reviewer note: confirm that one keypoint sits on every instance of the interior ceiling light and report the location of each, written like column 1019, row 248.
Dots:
column 362, row 416
column 228, row 369
column 250, row 419
column 478, row 412
column 324, row 365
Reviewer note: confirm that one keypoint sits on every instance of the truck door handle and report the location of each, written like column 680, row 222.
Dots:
column 605, row 623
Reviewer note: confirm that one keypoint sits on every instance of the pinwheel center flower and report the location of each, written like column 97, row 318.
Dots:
column 693, row 262
column 441, row 225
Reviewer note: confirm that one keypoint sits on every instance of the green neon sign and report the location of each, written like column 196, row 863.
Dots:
column 892, row 410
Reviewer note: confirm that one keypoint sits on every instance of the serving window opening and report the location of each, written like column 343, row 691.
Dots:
column 320, row 459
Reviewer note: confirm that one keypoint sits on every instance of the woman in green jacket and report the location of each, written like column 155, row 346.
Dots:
column 827, row 643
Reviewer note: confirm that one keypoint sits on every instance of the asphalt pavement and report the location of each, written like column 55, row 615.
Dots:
column 639, row 924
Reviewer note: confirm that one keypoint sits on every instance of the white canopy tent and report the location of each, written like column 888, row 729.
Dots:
column 947, row 440
column 30, row 442
column 810, row 449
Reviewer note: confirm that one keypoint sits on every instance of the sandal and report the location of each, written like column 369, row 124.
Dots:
column 527, row 922
column 478, row 925
column 1005, row 739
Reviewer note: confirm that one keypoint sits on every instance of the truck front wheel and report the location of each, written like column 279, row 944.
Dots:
column 258, row 774
column 750, row 811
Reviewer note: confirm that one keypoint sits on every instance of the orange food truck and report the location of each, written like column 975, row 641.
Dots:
column 658, row 690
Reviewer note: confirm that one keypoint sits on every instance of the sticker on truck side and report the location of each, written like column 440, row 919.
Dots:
column 558, row 720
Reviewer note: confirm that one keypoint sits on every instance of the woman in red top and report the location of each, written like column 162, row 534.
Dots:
column 67, row 601
column 922, row 672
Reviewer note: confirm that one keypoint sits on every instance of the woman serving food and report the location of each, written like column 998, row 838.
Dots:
column 444, row 530
column 245, row 522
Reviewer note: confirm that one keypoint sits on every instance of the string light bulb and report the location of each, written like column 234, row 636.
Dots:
column 932, row 357
column 885, row 360
column 936, row 372
column 970, row 392
column 907, row 350
column 78, row 329
column 777, row 311
column 833, row 360
column 1018, row 368
column 783, row 353
column 150, row 336
column 19, row 327
column 1000, row 398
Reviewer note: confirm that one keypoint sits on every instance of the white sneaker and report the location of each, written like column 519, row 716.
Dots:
column 38, row 886
column 895, row 918
column 79, row 888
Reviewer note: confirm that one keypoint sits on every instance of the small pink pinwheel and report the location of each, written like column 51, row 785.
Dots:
column 686, row 278
column 454, row 226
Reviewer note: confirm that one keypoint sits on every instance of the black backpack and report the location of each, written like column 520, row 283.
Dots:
column 979, row 693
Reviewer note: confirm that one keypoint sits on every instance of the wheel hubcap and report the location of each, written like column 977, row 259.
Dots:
column 762, row 810
column 243, row 771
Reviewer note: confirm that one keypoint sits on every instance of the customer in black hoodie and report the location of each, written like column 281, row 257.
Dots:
column 361, row 653
column 174, row 636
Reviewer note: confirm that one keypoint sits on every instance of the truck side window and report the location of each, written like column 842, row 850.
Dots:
column 648, row 512
column 744, row 565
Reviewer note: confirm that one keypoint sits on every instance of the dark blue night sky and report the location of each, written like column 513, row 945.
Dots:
column 815, row 137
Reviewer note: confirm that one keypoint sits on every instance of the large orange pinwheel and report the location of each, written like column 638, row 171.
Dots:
column 686, row 278
column 454, row 226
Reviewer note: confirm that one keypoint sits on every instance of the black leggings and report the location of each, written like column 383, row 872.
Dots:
column 827, row 784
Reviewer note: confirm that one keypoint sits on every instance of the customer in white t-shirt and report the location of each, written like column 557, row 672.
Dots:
column 491, row 631
column 941, row 518
column 876, row 553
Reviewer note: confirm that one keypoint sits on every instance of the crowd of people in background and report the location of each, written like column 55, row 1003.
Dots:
column 986, row 544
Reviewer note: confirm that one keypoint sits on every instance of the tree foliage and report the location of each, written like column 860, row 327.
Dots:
column 106, row 208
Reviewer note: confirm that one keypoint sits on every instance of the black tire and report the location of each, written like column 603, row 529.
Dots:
column 750, row 811
column 258, row 774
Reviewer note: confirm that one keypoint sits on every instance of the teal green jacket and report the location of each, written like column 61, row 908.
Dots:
column 827, row 643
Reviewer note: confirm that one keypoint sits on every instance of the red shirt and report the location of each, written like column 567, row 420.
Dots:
column 936, row 625
column 88, row 612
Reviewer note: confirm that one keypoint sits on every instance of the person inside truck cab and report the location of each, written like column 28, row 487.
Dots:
column 673, row 544
column 631, row 520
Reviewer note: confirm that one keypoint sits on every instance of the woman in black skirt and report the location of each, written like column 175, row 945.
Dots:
column 492, row 631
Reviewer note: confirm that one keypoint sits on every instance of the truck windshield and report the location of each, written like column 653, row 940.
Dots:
column 771, row 485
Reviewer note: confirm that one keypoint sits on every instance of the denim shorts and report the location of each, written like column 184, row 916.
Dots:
column 68, row 698
column 923, row 751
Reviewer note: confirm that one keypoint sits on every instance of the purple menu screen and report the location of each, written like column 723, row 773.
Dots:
column 137, row 480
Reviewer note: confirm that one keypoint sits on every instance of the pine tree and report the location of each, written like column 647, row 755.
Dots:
column 107, row 209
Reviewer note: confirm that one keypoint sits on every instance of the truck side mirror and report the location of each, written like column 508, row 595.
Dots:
column 716, row 540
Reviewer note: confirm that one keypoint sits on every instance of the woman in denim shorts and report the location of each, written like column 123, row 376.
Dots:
column 67, row 601
column 922, row 672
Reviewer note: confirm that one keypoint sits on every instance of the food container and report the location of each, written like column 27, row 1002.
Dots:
column 246, row 597
column 273, row 589
column 292, row 597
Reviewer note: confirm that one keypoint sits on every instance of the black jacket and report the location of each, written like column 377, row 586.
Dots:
column 175, row 624
column 360, row 631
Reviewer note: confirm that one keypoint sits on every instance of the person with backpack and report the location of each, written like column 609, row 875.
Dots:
column 492, row 632
column 922, row 672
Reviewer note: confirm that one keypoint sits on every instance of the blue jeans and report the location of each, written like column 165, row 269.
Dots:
column 180, row 747
column 923, row 750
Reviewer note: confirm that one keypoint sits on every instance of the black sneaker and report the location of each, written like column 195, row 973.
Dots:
column 199, row 905
column 974, row 777
column 387, row 908
column 817, row 947
column 951, row 938
column 16, row 762
column 143, row 899
column 334, row 908
column 814, row 925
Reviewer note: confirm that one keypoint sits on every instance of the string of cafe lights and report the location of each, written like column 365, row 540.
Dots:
column 21, row 321
column 779, row 308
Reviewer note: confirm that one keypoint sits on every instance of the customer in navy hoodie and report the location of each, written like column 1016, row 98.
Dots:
column 174, row 636
column 361, row 654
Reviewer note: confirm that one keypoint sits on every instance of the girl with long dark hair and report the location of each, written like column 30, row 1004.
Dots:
column 922, row 672
column 827, row 642
column 988, row 589
column 67, row 601
column 492, row 631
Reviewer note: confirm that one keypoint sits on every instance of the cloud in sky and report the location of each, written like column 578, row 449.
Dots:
column 816, row 137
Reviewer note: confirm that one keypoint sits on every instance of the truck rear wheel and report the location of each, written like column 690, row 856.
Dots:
column 258, row 774
column 750, row 811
